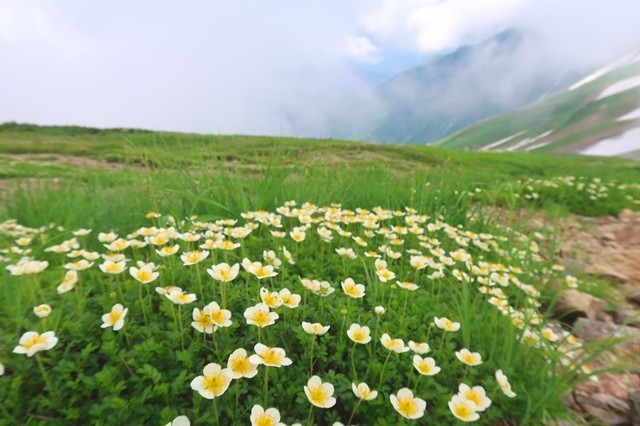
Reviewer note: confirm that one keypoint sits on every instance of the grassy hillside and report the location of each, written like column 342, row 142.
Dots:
column 405, row 223
column 573, row 119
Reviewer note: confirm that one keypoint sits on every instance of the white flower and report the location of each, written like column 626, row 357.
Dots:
column 407, row 405
column 503, row 381
column 213, row 383
column 115, row 318
column 144, row 274
column 476, row 395
column 425, row 366
column 463, row 409
column 262, row 417
column 269, row 356
column 359, row 334
column 32, row 342
column 179, row 297
column 320, row 394
column 419, row 348
column 239, row 365
column 259, row 315
column 180, row 421
column 446, row 324
column 363, row 392
column 68, row 283
column 394, row 345
column 42, row 311
column 223, row 272
column 470, row 358
column 315, row 328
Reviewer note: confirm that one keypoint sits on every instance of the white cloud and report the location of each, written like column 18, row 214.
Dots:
column 361, row 49
column 447, row 24
column 435, row 25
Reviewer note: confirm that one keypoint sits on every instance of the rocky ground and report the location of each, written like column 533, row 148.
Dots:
column 606, row 252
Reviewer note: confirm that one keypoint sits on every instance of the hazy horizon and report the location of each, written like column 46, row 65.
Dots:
column 268, row 69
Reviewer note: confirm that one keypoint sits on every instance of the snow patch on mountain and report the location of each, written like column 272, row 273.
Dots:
column 627, row 142
column 620, row 86
column 633, row 115
column 501, row 141
column 625, row 60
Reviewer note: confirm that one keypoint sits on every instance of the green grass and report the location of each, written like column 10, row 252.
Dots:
column 573, row 113
column 105, row 377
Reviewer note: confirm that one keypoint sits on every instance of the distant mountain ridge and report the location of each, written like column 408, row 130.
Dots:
column 450, row 92
column 596, row 115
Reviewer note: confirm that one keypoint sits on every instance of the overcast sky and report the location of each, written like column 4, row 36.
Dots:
column 242, row 66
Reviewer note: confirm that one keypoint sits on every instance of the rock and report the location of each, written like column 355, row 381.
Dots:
column 631, row 293
column 627, row 350
column 605, row 318
column 609, row 236
column 630, row 234
column 634, row 407
column 628, row 316
column 627, row 215
column 607, row 271
column 573, row 304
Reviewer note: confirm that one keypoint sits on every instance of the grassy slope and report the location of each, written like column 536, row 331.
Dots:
column 572, row 115
column 222, row 176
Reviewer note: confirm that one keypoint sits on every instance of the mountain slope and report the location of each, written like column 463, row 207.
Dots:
column 598, row 115
column 450, row 92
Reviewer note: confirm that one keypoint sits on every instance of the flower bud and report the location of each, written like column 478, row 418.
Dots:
column 379, row 310
column 42, row 311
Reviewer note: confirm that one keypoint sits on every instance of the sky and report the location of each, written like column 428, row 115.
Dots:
column 257, row 67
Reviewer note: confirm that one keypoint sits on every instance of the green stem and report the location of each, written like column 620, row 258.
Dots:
column 266, row 386
column 353, row 365
column 180, row 326
column 45, row 377
column 144, row 313
column 404, row 309
column 384, row 366
column 313, row 341
column 215, row 411
column 353, row 413
column 310, row 416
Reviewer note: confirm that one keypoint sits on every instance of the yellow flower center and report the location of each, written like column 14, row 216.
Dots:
column 114, row 316
column 261, row 318
column 265, row 420
column 393, row 343
column 287, row 299
column 34, row 341
column 161, row 239
column 205, row 321
column 462, row 411
column 365, row 392
column 270, row 356
column 144, row 275
column 359, row 335
column 407, row 406
column 193, row 257
column 240, row 365
column 469, row 358
column 474, row 397
column 225, row 274
column 214, row 383
column 424, row 367
column 226, row 245
column 218, row 317
column 271, row 299
column 113, row 267
column 351, row 290
column 317, row 395
column 262, row 272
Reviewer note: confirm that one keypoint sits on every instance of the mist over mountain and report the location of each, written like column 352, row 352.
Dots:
column 452, row 91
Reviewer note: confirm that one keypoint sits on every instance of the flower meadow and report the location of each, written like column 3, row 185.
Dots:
column 303, row 315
